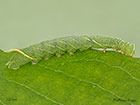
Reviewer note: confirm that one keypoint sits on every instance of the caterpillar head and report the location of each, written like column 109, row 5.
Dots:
column 131, row 50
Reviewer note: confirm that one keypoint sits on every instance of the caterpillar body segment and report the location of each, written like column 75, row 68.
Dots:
column 48, row 48
column 17, row 60
column 71, row 44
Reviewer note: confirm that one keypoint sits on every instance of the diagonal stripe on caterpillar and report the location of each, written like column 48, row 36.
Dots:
column 70, row 44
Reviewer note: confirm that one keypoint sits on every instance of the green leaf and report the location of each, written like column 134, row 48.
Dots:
column 86, row 78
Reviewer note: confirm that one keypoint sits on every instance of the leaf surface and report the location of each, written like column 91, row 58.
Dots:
column 86, row 78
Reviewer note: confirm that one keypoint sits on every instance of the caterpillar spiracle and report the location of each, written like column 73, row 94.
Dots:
column 70, row 44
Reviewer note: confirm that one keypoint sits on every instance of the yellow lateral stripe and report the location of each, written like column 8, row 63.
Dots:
column 60, row 48
column 72, row 46
column 50, row 45
column 68, row 44
column 63, row 42
column 97, row 42
column 86, row 38
column 20, row 53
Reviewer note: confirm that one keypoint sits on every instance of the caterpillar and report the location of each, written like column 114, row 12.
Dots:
column 70, row 44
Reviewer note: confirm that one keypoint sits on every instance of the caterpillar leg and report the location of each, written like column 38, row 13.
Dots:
column 104, row 51
column 131, row 55
column 59, row 55
column 122, row 53
column 70, row 53
column 34, row 62
column 116, row 50
column 46, row 58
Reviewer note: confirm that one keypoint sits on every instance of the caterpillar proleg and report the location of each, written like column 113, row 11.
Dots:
column 70, row 44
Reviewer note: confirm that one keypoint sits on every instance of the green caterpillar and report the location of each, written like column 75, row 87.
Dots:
column 71, row 44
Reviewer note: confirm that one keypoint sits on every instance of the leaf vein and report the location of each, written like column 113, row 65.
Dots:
column 2, row 102
column 85, row 81
column 29, row 88
column 108, row 65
